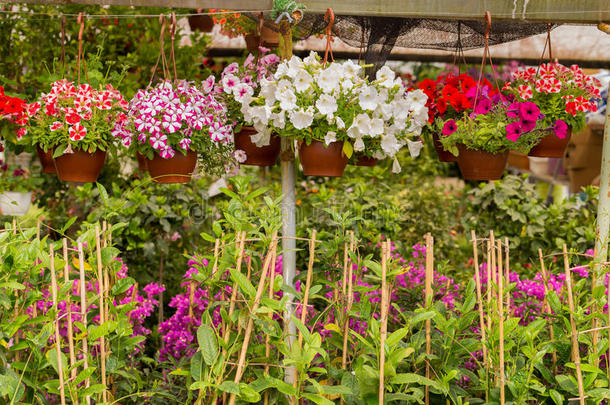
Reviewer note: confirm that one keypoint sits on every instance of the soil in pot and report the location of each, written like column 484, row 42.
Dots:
column 46, row 160
column 318, row 159
column 551, row 146
column 80, row 166
column 257, row 155
column 15, row 203
column 481, row 165
column 443, row 155
column 174, row 170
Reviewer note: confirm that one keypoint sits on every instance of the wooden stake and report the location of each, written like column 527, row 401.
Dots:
column 507, row 273
column 501, row 320
column 547, row 307
column 489, row 279
column 60, row 366
column 14, row 226
column 38, row 228
column 494, row 280
column 350, row 302
column 383, row 319
column 73, row 373
column 241, row 240
column 312, row 249
column 241, row 364
column 216, row 248
column 477, row 278
column 100, row 281
column 429, row 276
column 575, row 348
column 83, row 313
column 344, row 279
column 267, row 337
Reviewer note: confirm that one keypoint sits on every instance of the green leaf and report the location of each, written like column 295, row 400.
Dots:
column 103, row 193
column 207, row 343
column 318, row 399
column 396, row 337
column 208, row 237
column 229, row 387
column 556, row 397
column 109, row 254
column 94, row 389
column 197, row 366
column 122, row 285
column 348, row 149
column 83, row 375
column 13, row 285
column 243, row 282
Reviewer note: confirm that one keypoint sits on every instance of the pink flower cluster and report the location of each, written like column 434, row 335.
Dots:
column 168, row 117
column 72, row 108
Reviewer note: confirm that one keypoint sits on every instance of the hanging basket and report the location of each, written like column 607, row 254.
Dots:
column 252, row 42
column 481, row 165
column 318, row 159
column 202, row 23
column 363, row 160
column 257, row 155
column 46, row 160
column 15, row 203
column 269, row 37
column 142, row 162
column 80, row 166
column 174, row 170
column 551, row 146
column 443, row 155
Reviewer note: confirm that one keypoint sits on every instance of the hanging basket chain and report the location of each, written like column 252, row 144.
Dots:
column 330, row 18
column 161, row 56
column 486, row 55
column 172, row 32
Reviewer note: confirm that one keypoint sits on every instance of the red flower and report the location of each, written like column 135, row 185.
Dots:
column 77, row 132
column 14, row 106
column 459, row 102
column 73, row 118
column 441, row 105
column 450, row 91
column 428, row 86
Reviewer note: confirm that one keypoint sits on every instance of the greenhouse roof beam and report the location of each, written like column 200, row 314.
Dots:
column 557, row 11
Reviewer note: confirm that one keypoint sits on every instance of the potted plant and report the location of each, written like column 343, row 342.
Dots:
column 481, row 140
column 169, row 124
column 238, row 84
column 75, row 123
column 16, row 187
column 234, row 24
column 449, row 96
column 564, row 96
column 332, row 111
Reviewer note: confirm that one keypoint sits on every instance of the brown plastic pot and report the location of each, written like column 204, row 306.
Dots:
column 481, row 165
column 142, row 162
column 443, row 155
column 46, row 160
column 551, row 146
column 203, row 23
column 255, row 155
column 80, row 166
column 318, row 159
column 270, row 37
column 362, row 160
column 174, row 170
column 252, row 42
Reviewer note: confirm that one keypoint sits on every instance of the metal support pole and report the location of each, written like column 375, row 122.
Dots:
column 603, row 208
column 289, row 257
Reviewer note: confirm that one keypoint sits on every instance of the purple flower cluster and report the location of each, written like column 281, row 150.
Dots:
column 168, row 117
column 527, row 114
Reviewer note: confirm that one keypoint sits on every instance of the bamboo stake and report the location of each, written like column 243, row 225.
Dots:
column 241, row 364
column 83, row 313
column 477, row 278
column 547, row 307
column 14, row 226
column 38, row 228
column 242, row 239
column 575, row 348
column 350, row 302
column 494, row 280
column 428, row 302
column 60, row 366
column 608, row 325
column 100, row 280
column 191, row 298
column 267, row 337
column 312, row 249
column 507, row 273
column 73, row 373
column 383, row 319
column 344, row 279
column 216, row 248
column 488, row 292
column 501, row 320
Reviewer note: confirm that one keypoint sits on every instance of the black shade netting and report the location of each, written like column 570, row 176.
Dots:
column 378, row 36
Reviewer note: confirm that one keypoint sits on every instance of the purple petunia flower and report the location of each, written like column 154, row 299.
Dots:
column 449, row 127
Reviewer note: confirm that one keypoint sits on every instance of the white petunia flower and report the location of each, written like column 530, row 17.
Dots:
column 351, row 69
column 312, row 59
column 347, row 84
column 327, row 80
column 359, row 145
column 390, row 145
column 240, row 155
column 326, row 104
column 295, row 65
column 262, row 137
column 376, row 127
column 353, row 132
column 278, row 119
column 302, row 81
column 243, row 92
column 330, row 138
column 396, row 166
column 287, row 99
column 368, row 98
column 386, row 76
column 363, row 123
column 301, row 118
column 415, row 147
column 229, row 82
column 417, row 98
column 340, row 123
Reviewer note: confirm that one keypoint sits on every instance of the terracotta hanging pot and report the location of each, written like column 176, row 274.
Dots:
column 363, row 160
column 252, row 42
column 174, row 170
column 80, row 166
column 257, row 155
column 318, row 159
column 443, row 155
column 46, row 160
column 142, row 162
column 270, row 37
column 551, row 146
column 481, row 165
column 202, row 23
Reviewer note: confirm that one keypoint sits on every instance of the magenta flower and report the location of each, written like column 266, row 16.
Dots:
column 483, row 106
column 527, row 126
column 449, row 127
column 513, row 131
column 561, row 129
column 529, row 111
column 513, row 111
